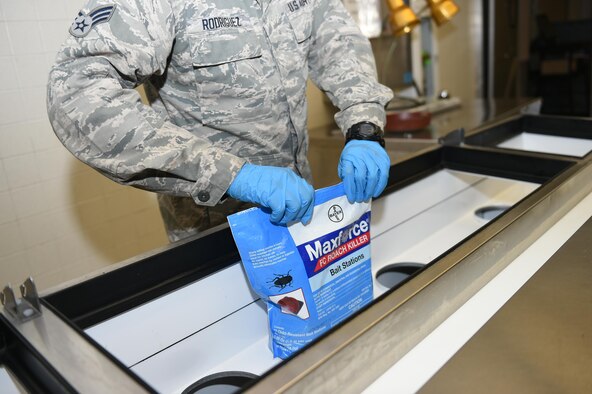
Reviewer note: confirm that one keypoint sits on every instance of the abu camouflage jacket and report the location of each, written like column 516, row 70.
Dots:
column 231, row 77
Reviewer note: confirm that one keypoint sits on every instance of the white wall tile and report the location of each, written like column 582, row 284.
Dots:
column 64, row 274
column 91, row 213
column 96, row 262
column 72, row 247
column 21, row 170
column 73, row 6
column 25, row 37
column 15, row 140
column 14, row 269
column 50, row 58
column 78, row 167
column 44, row 138
column 4, row 41
column 7, row 212
column 8, row 74
column 83, row 187
column 18, row 10
column 118, row 204
column 3, row 180
column 50, row 9
column 66, row 222
column 101, row 241
column 56, row 193
column 55, row 163
column 36, row 109
column 148, row 221
column 153, row 240
column 38, row 229
column 10, row 239
column 127, row 250
column 122, row 229
column 32, row 70
column 28, row 200
column 12, row 109
column 54, row 278
column 44, row 258
column 107, row 185
column 54, row 34
column 140, row 200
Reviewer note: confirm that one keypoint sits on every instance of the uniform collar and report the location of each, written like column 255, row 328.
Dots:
column 263, row 4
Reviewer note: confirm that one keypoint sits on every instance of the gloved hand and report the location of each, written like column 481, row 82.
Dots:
column 288, row 196
column 364, row 169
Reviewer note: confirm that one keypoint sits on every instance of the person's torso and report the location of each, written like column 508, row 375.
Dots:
column 237, row 76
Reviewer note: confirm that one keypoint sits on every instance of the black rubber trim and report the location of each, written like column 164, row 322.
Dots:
column 525, row 166
column 105, row 296
column 238, row 379
column 560, row 126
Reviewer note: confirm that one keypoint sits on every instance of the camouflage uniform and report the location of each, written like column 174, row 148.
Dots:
column 231, row 78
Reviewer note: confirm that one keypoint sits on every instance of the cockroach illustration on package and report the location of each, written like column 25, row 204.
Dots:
column 281, row 281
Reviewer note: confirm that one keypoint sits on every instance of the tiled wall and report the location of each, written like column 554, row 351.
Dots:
column 58, row 218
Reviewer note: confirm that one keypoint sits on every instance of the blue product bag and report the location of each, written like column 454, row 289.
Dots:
column 311, row 276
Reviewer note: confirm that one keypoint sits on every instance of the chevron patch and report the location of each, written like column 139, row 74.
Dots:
column 84, row 22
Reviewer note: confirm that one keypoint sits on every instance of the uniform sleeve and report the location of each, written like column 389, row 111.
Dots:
column 99, row 117
column 341, row 63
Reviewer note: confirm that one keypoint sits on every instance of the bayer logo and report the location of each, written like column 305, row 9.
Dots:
column 335, row 213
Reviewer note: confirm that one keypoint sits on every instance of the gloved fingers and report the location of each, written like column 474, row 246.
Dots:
column 348, row 178
column 361, row 177
column 380, row 185
column 292, row 204
column 382, row 181
column 307, row 216
column 306, row 203
column 384, row 164
column 291, row 200
column 278, row 209
column 377, row 164
column 371, row 182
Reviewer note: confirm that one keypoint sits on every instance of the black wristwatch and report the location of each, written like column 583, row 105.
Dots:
column 365, row 131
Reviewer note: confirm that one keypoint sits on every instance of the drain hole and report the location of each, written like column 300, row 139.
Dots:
column 221, row 383
column 491, row 212
column 393, row 274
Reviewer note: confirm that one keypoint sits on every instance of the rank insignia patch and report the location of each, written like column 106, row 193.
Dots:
column 84, row 22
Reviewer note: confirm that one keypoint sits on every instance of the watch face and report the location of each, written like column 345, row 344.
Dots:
column 365, row 131
column 368, row 129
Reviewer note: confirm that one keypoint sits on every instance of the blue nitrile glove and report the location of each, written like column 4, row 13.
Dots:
column 288, row 196
column 364, row 169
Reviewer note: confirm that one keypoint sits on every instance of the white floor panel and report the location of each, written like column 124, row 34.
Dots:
column 533, row 142
column 228, row 343
column 143, row 331
column 430, row 233
column 398, row 207
column 7, row 384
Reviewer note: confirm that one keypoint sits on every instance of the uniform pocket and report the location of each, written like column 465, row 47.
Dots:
column 230, row 90
column 301, row 23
